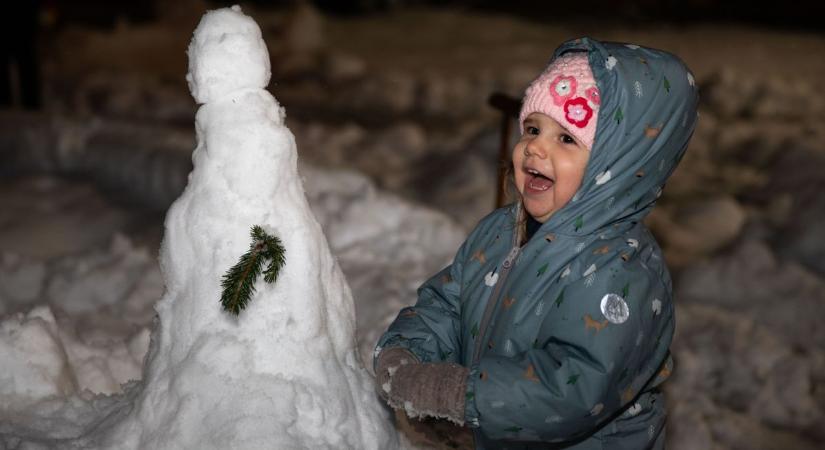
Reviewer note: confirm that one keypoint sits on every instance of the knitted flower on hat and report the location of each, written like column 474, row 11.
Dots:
column 567, row 92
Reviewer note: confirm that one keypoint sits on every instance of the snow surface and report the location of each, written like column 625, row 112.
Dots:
column 286, row 373
column 226, row 54
column 103, row 300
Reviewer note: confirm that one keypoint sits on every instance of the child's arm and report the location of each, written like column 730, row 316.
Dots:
column 583, row 369
column 410, row 356
column 431, row 328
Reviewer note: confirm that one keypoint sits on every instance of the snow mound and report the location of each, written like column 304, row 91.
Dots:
column 285, row 373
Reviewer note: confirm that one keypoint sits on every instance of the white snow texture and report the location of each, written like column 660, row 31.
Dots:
column 286, row 373
column 227, row 54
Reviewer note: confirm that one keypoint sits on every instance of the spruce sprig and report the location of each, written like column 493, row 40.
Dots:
column 238, row 283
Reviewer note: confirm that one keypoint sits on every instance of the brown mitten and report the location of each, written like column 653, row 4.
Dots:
column 388, row 362
column 430, row 389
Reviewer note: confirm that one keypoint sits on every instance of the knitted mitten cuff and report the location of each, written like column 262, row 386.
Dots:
column 387, row 363
column 430, row 389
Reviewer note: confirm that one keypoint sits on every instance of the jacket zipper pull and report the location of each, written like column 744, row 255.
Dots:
column 510, row 257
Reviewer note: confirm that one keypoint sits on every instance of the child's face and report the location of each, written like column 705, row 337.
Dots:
column 549, row 165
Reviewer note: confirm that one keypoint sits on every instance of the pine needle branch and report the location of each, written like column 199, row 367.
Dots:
column 276, row 253
column 239, row 282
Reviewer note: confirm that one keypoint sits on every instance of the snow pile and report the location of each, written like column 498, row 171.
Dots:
column 86, row 316
column 73, row 328
column 93, row 341
column 286, row 372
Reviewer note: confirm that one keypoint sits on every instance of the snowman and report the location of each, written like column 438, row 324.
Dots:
column 285, row 372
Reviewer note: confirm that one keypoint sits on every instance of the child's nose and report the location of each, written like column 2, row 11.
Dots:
column 535, row 148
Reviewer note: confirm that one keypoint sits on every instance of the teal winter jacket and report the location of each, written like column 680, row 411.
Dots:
column 567, row 335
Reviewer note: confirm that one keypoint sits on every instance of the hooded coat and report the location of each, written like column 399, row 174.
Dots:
column 567, row 336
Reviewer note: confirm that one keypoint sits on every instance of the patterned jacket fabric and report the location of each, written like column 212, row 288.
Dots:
column 567, row 336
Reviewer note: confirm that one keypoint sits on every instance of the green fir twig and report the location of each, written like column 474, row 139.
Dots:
column 239, row 282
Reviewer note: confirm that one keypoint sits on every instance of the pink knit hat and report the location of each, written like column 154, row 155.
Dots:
column 567, row 92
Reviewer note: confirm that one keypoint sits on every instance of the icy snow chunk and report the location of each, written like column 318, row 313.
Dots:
column 34, row 361
column 226, row 54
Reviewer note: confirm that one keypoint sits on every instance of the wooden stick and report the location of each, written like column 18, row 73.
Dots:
column 509, row 108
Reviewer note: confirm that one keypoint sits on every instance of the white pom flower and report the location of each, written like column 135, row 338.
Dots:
column 490, row 279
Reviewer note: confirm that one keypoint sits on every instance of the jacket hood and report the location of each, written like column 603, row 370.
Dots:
column 647, row 114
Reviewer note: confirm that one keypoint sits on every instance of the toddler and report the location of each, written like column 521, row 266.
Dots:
column 551, row 327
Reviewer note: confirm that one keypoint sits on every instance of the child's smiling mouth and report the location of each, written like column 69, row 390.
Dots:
column 536, row 182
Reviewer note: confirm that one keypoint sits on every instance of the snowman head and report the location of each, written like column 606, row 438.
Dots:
column 226, row 54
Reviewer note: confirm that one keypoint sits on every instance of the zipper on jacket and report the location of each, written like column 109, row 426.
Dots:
column 493, row 300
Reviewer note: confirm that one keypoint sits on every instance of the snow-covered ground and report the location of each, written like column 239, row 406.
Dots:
column 386, row 124
column 75, row 324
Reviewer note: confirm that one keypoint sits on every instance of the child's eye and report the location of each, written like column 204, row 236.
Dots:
column 531, row 130
column 567, row 139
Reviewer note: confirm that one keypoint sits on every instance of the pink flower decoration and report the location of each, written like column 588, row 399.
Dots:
column 592, row 94
column 578, row 112
column 562, row 88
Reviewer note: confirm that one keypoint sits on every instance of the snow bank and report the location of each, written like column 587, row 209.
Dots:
column 76, row 330
column 93, row 340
